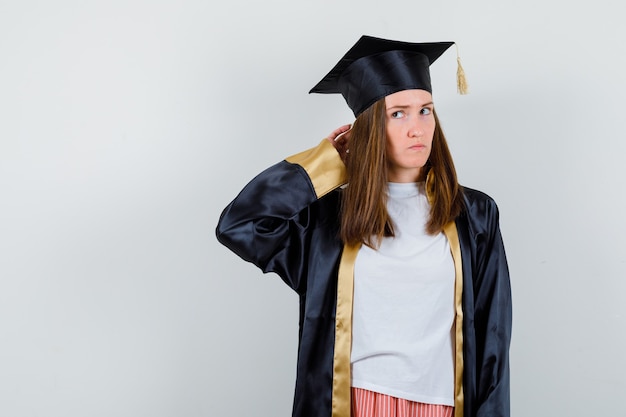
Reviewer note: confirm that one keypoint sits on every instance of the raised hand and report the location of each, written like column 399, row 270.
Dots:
column 340, row 138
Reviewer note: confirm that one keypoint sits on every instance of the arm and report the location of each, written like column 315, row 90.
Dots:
column 267, row 223
column 493, row 320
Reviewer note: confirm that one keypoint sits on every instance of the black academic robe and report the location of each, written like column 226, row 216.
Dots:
column 286, row 221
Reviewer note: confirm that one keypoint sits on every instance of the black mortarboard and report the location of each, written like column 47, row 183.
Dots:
column 374, row 68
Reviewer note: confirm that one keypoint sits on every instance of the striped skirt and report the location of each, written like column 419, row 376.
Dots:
column 372, row 404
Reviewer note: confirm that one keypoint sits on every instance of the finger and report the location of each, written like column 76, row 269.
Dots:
column 344, row 128
column 337, row 132
column 344, row 136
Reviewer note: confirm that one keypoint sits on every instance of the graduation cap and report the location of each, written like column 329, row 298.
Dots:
column 374, row 68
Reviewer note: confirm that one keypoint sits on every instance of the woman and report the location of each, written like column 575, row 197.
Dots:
column 405, row 303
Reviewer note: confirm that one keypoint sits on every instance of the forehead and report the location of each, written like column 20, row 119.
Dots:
column 408, row 98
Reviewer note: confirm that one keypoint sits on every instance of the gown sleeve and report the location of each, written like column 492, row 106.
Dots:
column 268, row 222
column 493, row 318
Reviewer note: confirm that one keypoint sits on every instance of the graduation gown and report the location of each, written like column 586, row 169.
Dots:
column 286, row 221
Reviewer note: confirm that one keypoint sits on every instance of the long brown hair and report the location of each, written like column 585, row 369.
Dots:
column 364, row 214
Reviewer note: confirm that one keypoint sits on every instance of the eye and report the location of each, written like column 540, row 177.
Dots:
column 426, row 111
column 397, row 114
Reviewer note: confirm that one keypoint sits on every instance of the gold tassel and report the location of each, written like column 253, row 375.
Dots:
column 461, row 82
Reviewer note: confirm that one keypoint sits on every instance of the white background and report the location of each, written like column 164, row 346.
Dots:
column 126, row 127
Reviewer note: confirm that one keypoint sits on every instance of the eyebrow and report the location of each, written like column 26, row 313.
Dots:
column 406, row 106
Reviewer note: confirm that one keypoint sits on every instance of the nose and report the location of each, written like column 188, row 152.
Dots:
column 415, row 130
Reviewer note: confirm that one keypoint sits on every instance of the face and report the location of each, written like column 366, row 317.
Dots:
column 410, row 130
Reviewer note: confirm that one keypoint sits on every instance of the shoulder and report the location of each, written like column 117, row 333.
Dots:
column 474, row 197
column 480, row 208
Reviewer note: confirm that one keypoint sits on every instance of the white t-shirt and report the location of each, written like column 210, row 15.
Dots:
column 403, row 312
